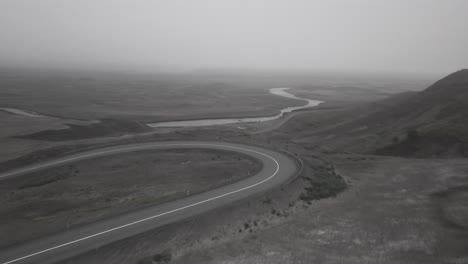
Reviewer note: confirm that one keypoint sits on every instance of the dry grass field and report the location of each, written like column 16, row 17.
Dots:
column 391, row 213
column 55, row 199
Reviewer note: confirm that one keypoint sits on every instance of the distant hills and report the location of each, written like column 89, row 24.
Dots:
column 433, row 122
column 430, row 123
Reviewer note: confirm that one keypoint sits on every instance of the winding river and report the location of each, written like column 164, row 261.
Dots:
column 225, row 121
column 16, row 111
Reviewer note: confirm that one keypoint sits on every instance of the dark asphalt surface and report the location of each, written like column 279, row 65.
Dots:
column 277, row 169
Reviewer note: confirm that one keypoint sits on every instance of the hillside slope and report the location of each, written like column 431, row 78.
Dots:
column 433, row 122
column 430, row 123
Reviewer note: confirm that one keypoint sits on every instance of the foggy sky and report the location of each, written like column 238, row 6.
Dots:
column 420, row 36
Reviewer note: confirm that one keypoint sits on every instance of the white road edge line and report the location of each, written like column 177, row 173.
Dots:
column 151, row 217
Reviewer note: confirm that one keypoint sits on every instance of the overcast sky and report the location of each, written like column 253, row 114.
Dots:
column 367, row 35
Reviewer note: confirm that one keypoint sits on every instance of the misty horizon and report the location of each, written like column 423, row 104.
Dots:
column 223, row 131
column 420, row 37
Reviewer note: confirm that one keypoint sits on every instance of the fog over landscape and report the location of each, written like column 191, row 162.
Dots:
column 233, row 131
column 417, row 36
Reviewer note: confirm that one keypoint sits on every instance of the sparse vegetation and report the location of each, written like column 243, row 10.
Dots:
column 323, row 184
column 60, row 194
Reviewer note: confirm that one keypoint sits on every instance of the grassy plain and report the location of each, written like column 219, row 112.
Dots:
column 56, row 199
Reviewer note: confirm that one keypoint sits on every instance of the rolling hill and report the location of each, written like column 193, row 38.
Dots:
column 433, row 122
column 429, row 123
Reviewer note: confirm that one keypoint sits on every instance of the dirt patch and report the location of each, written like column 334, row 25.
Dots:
column 55, row 199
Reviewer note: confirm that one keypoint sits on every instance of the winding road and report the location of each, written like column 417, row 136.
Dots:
column 277, row 168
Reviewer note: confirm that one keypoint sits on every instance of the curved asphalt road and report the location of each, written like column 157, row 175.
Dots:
column 277, row 168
